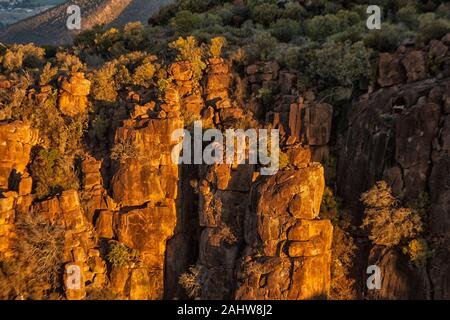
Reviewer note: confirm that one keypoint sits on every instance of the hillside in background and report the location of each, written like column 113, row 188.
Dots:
column 14, row 11
column 49, row 27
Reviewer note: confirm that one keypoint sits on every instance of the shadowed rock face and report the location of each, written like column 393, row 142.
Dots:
column 400, row 134
column 49, row 27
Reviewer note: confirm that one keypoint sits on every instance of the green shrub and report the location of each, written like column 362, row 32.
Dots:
column 265, row 13
column 121, row 256
column 431, row 27
column 295, row 11
column 68, row 62
column 331, row 206
column 197, row 5
column 418, row 251
column 262, row 48
column 285, row 29
column 47, row 74
column 284, row 161
column 185, row 22
column 104, row 87
column 21, row 56
column 143, row 75
column 266, row 96
column 421, row 205
column 409, row 16
column 443, row 11
column 321, row 27
column 388, row 38
column 343, row 285
column 217, row 44
column 52, row 173
column 340, row 64
column 190, row 51
column 386, row 223
column 225, row 13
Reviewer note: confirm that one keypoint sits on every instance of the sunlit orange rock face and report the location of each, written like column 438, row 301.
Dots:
column 16, row 140
column 74, row 91
column 253, row 237
column 288, row 252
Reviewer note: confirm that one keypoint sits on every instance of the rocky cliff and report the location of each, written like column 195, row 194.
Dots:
column 400, row 134
column 141, row 226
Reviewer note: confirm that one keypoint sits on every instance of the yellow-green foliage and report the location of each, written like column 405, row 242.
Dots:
column 133, row 69
column 104, row 88
column 190, row 51
column 116, row 42
column 52, row 173
column 284, row 160
column 143, row 75
column 217, row 44
column 121, row 256
column 23, row 56
column 68, row 62
column 331, row 206
column 48, row 74
column 418, row 251
column 387, row 223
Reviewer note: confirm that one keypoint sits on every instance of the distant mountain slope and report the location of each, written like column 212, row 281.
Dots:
column 49, row 27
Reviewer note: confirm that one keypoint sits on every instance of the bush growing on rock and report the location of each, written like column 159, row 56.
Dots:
column 69, row 62
column 343, row 285
column 104, row 88
column 121, row 256
column 189, row 51
column 387, row 223
column 216, row 46
column 331, row 206
column 23, row 56
column 185, row 22
column 47, row 75
column 418, row 251
column 34, row 272
column 52, row 173
column 192, row 281
column 143, row 74
column 123, row 151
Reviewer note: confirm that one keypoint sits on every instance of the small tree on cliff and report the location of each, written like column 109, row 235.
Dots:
column 190, row 51
column 387, row 223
